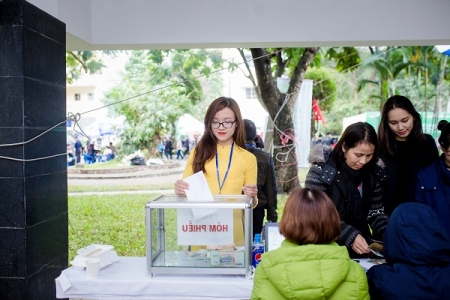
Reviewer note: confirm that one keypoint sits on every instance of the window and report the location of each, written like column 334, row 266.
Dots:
column 77, row 97
column 249, row 59
column 250, row 93
column 91, row 96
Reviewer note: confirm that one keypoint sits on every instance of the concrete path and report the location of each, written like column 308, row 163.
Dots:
column 146, row 177
column 155, row 191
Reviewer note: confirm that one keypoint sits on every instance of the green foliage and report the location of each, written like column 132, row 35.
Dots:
column 385, row 71
column 82, row 61
column 212, row 87
column 157, row 88
column 149, row 116
column 324, row 90
column 347, row 58
column 288, row 60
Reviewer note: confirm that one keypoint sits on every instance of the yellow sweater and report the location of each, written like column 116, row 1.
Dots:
column 243, row 170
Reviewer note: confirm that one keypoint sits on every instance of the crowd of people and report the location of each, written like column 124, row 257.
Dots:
column 89, row 154
column 389, row 187
column 182, row 147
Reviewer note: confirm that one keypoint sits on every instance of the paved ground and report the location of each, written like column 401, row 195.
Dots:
column 150, row 177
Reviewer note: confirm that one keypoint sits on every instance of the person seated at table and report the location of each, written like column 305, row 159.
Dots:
column 417, row 253
column 89, row 157
column 309, row 264
column 107, row 154
column 71, row 160
column 353, row 177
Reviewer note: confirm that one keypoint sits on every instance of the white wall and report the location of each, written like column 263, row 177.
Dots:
column 97, row 84
column 159, row 24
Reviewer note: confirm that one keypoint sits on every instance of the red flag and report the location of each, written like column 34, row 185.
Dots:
column 317, row 112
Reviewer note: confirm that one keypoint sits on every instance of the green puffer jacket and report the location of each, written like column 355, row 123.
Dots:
column 309, row 272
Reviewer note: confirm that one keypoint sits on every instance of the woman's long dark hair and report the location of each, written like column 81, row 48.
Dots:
column 386, row 138
column 207, row 146
column 354, row 134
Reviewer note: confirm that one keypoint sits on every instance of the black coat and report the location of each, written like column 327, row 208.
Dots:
column 355, row 215
column 168, row 146
column 402, row 168
column 267, row 183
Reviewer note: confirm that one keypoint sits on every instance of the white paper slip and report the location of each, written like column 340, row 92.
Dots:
column 198, row 188
column 199, row 213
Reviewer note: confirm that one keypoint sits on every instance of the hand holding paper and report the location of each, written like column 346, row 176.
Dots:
column 198, row 188
column 180, row 187
column 199, row 191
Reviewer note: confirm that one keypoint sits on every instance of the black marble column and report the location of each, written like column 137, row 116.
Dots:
column 33, row 193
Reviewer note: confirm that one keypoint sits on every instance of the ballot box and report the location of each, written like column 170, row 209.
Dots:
column 199, row 237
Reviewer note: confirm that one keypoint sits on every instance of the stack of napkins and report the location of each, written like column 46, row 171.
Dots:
column 103, row 252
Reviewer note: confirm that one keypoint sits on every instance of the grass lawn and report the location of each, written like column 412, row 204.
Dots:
column 117, row 220
column 302, row 175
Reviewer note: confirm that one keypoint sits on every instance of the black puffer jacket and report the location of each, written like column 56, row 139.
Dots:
column 356, row 213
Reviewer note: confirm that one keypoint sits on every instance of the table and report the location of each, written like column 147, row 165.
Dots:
column 127, row 279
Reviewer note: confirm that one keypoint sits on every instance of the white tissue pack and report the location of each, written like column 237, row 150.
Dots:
column 103, row 252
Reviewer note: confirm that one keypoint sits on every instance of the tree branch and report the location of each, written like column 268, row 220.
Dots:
column 79, row 60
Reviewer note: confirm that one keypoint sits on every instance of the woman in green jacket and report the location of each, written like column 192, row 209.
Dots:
column 309, row 264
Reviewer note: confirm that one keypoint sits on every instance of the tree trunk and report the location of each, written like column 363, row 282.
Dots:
column 281, row 109
column 268, row 138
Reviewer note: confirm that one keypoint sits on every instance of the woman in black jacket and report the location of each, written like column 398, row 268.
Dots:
column 404, row 149
column 352, row 176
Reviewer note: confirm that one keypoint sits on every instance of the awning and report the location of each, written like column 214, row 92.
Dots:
column 444, row 49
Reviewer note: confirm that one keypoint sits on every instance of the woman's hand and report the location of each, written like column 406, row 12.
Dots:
column 360, row 246
column 250, row 190
column 180, row 186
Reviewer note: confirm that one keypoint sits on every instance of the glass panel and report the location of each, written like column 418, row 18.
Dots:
column 183, row 236
column 217, row 199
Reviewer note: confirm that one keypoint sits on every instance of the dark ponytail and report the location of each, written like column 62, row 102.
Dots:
column 444, row 139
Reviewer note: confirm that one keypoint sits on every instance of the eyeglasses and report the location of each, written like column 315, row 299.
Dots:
column 226, row 124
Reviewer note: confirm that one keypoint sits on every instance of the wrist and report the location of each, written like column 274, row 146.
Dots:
column 255, row 201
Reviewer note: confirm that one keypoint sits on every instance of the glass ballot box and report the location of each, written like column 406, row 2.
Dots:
column 202, row 237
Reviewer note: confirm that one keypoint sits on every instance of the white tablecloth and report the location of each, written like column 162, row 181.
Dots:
column 127, row 279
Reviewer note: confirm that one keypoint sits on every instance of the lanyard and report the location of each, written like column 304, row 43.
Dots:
column 228, row 168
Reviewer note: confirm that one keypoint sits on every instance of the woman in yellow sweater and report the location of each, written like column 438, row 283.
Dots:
column 228, row 167
column 221, row 154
